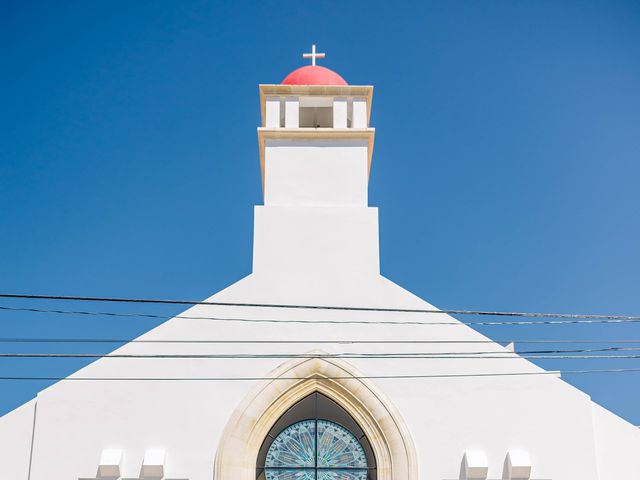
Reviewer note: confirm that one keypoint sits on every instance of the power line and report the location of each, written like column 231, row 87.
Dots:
column 373, row 377
column 397, row 356
column 321, row 307
column 590, row 319
column 296, row 342
column 326, row 354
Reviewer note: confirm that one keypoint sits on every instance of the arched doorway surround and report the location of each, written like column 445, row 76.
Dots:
column 291, row 382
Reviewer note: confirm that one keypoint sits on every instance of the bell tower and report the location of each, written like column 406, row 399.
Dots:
column 315, row 155
column 315, row 140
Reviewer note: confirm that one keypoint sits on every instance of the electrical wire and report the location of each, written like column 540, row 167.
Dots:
column 590, row 319
column 10, row 340
column 260, row 355
column 568, row 319
column 402, row 356
column 321, row 307
column 364, row 377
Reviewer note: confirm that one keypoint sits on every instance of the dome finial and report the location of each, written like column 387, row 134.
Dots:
column 313, row 55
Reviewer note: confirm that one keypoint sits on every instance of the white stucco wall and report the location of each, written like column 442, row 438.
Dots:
column 16, row 429
column 292, row 240
column 617, row 445
column 540, row 414
column 321, row 173
column 316, row 243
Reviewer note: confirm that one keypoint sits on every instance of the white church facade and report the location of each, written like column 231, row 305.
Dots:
column 329, row 396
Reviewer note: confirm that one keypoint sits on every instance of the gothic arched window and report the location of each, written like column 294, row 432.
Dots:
column 316, row 439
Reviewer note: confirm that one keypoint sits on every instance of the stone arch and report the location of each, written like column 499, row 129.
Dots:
column 292, row 381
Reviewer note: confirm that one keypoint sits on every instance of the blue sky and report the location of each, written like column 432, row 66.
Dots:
column 506, row 164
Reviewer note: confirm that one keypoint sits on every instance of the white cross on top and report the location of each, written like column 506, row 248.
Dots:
column 313, row 55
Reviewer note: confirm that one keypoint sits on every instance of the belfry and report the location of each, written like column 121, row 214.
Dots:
column 314, row 366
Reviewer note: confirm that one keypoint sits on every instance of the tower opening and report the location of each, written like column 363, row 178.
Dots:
column 316, row 112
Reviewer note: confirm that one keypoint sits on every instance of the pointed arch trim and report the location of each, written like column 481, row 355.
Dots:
column 360, row 397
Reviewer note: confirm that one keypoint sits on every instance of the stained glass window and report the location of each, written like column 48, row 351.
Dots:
column 315, row 449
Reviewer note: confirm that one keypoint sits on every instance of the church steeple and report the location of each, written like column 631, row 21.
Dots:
column 315, row 155
column 315, row 140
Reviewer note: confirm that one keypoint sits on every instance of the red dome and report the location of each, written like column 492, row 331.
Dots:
column 313, row 75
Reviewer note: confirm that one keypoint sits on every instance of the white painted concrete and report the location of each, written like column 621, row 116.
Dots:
column 316, row 243
column 16, row 431
column 474, row 465
column 447, row 416
column 316, row 101
column 617, row 445
column 110, row 461
column 517, row 465
column 272, row 117
column 153, row 463
column 291, row 112
column 316, row 173
column 359, row 113
column 324, row 240
column 340, row 112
